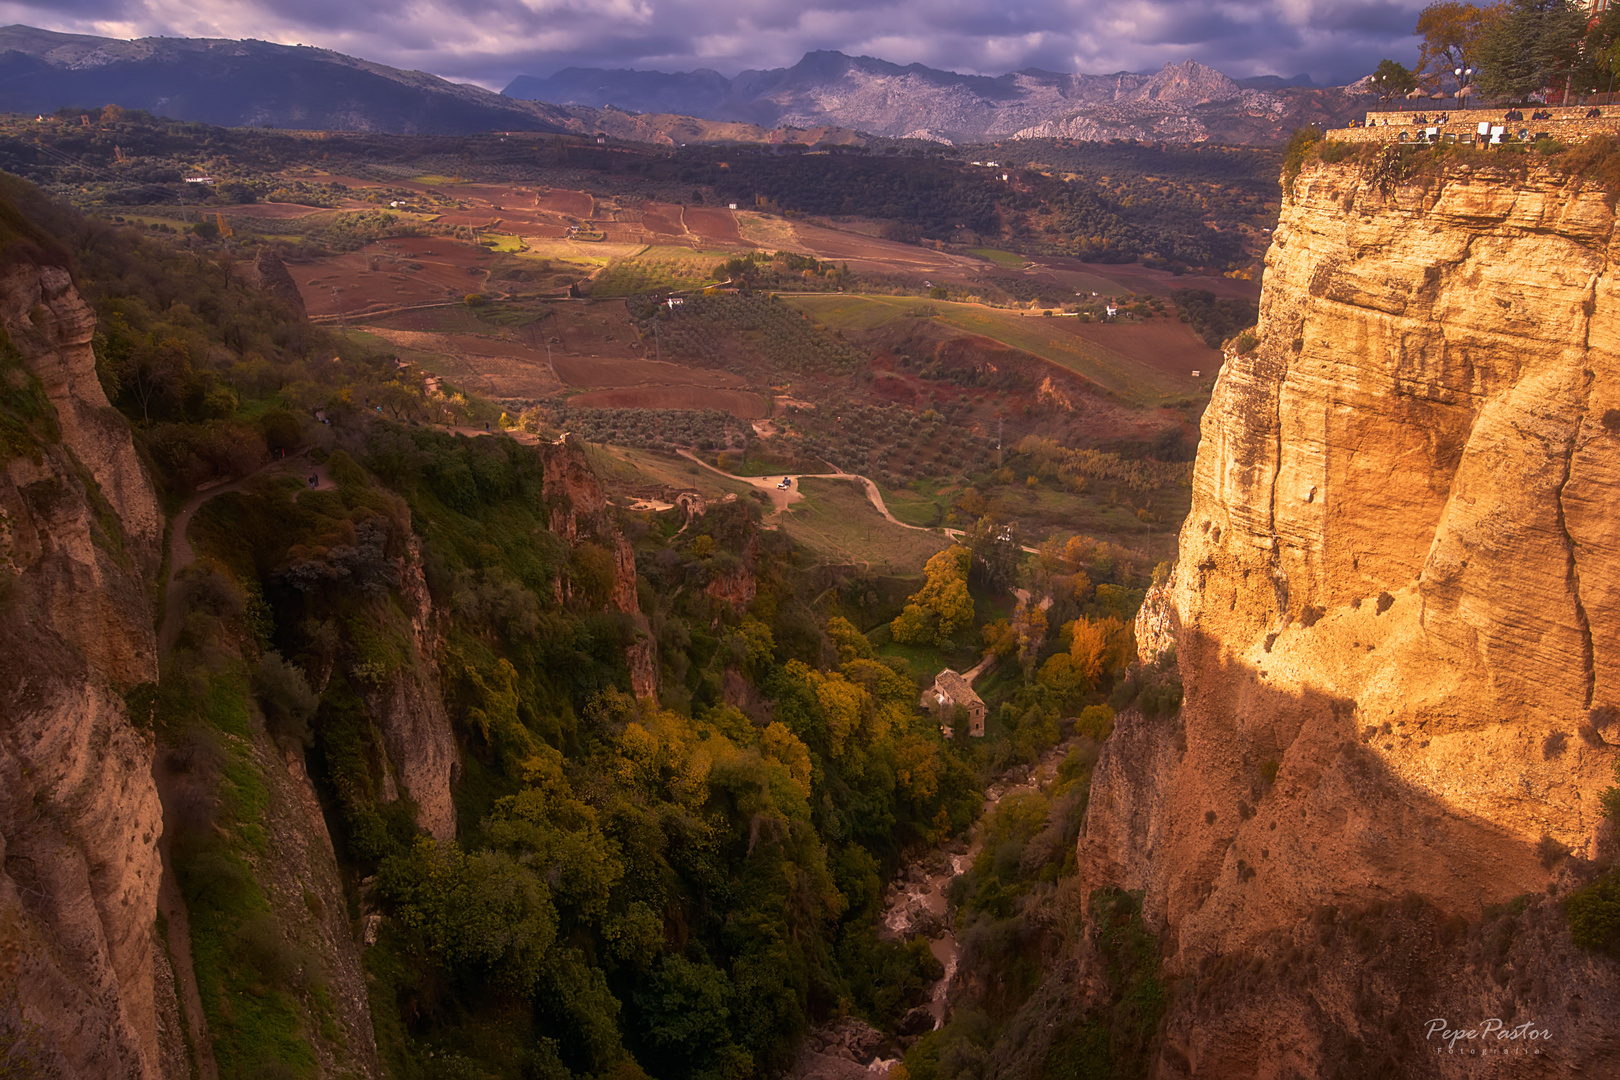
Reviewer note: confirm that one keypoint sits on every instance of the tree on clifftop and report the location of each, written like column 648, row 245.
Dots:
column 1392, row 79
column 1450, row 33
column 1530, row 45
column 935, row 612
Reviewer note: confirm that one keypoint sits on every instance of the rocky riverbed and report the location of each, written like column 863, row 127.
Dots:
column 916, row 904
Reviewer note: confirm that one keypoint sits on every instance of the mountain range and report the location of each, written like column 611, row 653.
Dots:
column 1188, row 101
column 249, row 84
column 252, row 83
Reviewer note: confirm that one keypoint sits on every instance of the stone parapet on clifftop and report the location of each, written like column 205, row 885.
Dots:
column 1397, row 619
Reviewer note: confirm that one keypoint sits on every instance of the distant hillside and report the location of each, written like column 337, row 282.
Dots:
column 826, row 97
column 248, row 84
column 1186, row 102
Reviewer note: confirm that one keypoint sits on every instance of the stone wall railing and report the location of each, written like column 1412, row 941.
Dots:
column 1463, row 127
column 1405, row 117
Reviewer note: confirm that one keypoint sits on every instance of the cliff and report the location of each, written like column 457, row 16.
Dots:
column 579, row 511
column 1394, row 614
column 79, row 813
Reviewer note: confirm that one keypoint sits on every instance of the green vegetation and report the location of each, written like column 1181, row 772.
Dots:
column 1024, row 925
column 656, row 269
column 835, row 520
column 653, row 429
column 1000, row 258
column 1594, row 915
column 942, row 608
column 1214, row 320
column 706, row 329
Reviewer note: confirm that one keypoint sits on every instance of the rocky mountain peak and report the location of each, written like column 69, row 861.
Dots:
column 1187, row 83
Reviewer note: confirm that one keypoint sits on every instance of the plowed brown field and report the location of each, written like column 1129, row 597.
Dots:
column 713, row 224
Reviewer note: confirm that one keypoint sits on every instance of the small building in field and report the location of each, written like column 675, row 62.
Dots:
column 949, row 691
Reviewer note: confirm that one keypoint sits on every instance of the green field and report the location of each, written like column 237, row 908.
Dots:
column 1000, row 258
column 835, row 520
column 504, row 243
column 1130, row 380
column 917, row 507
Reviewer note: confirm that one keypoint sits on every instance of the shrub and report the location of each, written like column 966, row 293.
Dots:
column 1095, row 722
column 1594, row 915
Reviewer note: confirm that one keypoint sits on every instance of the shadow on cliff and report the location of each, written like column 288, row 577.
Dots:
column 1317, row 908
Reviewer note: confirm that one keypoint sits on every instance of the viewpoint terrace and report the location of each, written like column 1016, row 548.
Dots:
column 1564, row 123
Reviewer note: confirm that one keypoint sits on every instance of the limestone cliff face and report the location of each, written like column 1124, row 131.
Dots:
column 79, row 813
column 1395, row 615
column 579, row 510
column 409, row 711
column 46, row 319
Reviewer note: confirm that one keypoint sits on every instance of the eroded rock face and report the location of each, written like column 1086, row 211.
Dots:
column 45, row 318
column 409, row 712
column 79, row 813
column 579, row 512
column 1395, row 612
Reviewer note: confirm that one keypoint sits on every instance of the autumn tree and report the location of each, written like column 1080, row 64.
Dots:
column 942, row 607
column 1451, row 33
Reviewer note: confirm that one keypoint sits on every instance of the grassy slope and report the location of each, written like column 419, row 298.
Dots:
column 835, row 520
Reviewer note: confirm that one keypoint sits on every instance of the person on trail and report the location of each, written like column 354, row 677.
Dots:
column 314, row 481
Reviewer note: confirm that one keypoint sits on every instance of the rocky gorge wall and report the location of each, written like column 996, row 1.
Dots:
column 79, row 813
column 1395, row 613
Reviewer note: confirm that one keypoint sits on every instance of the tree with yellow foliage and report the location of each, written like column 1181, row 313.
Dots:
column 940, row 609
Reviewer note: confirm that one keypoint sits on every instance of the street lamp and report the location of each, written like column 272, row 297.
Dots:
column 1463, row 74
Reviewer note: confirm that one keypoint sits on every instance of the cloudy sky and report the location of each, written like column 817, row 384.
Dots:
column 491, row 41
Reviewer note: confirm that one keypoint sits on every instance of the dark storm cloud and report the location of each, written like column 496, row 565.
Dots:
column 490, row 41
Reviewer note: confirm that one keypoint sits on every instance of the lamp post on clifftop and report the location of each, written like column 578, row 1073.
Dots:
column 1463, row 75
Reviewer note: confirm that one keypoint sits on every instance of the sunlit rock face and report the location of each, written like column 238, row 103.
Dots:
column 1395, row 615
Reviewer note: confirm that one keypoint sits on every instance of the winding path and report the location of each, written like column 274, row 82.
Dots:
column 180, row 553
column 782, row 498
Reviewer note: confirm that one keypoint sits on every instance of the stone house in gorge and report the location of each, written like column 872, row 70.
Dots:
column 949, row 691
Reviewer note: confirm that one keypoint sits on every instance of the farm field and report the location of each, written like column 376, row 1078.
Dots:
column 389, row 274
column 1000, row 258
column 629, row 472
column 713, row 224
column 485, row 366
column 1131, row 277
column 658, row 268
column 603, row 373
column 835, row 519
column 500, row 352
column 1130, row 378
column 872, row 255
column 739, row 403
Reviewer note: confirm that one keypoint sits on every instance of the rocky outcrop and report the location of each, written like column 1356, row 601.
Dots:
column 408, row 710
column 270, row 275
column 1394, row 615
column 579, row 511
column 47, row 321
column 79, row 813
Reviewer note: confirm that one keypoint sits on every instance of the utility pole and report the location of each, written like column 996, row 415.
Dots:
column 1000, row 420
